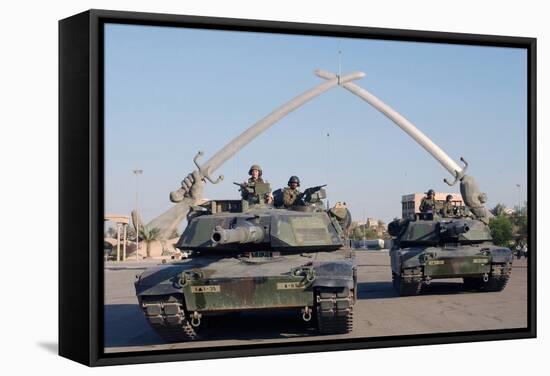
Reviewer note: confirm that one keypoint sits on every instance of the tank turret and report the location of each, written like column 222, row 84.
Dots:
column 223, row 228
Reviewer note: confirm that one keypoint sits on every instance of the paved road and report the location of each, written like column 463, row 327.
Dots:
column 443, row 307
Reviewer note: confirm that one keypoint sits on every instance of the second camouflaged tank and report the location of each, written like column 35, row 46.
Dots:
column 261, row 259
column 431, row 247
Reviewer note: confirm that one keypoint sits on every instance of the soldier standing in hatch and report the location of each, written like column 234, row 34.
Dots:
column 291, row 193
column 255, row 173
column 427, row 205
column 448, row 207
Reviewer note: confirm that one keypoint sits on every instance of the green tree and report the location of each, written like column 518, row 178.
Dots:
column 357, row 234
column 364, row 232
column 501, row 230
column 149, row 235
column 131, row 232
column 498, row 209
column 110, row 232
column 371, row 233
column 522, row 226
column 519, row 225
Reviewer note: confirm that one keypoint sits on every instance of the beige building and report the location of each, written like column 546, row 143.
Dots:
column 121, row 222
column 410, row 204
column 372, row 223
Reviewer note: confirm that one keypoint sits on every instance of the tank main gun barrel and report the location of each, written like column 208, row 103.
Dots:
column 240, row 234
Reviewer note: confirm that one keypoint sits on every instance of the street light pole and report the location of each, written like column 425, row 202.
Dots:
column 137, row 172
column 519, row 198
column 365, row 228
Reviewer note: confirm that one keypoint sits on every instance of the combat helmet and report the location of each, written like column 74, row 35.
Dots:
column 294, row 179
column 255, row 167
column 430, row 192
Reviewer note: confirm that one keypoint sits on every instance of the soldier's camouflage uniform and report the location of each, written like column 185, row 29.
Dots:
column 427, row 205
column 252, row 198
column 448, row 209
column 290, row 196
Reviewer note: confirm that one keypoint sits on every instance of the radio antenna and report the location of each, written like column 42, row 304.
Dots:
column 328, row 165
column 339, row 60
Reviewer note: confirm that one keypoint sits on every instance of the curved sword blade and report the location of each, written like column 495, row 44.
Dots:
column 169, row 221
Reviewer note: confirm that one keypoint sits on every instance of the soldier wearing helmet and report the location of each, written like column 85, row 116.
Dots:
column 248, row 188
column 427, row 205
column 291, row 194
column 448, row 209
column 255, row 172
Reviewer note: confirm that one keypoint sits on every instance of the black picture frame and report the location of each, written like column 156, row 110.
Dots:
column 81, row 182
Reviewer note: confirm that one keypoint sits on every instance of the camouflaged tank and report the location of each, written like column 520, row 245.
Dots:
column 431, row 247
column 262, row 258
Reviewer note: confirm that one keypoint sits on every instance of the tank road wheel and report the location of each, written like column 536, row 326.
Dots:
column 172, row 334
column 169, row 319
column 496, row 281
column 334, row 308
column 494, row 284
column 406, row 286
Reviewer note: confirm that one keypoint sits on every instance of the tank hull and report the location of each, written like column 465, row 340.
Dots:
column 313, row 284
column 482, row 263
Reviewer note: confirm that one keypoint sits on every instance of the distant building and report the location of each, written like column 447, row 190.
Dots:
column 372, row 223
column 410, row 204
column 378, row 225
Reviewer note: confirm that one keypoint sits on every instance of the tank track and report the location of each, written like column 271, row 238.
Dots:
column 167, row 316
column 500, row 274
column 334, row 308
column 408, row 283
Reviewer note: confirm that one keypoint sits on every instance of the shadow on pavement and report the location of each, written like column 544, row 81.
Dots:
column 383, row 290
column 375, row 290
column 256, row 325
column 125, row 325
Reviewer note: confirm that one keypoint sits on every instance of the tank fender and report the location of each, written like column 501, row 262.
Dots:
column 501, row 255
column 159, row 280
column 334, row 274
column 411, row 258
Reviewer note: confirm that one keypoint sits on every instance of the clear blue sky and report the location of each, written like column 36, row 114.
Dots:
column 170, row 92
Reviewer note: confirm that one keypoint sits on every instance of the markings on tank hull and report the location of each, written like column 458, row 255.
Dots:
column 203, row 289
column 436, row 262
column 290, row 286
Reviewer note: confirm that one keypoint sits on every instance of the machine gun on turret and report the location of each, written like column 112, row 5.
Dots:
column 313, row 194
column 256, row 193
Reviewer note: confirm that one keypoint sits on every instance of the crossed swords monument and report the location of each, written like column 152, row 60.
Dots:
column 192, row 186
